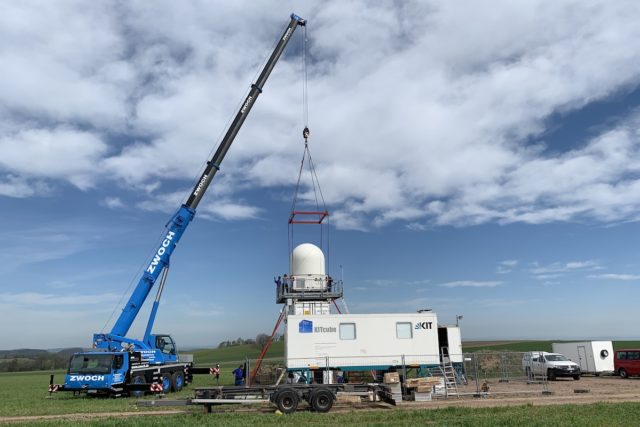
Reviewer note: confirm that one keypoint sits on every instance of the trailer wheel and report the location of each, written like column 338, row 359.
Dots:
column 138, row 379
column 177, row 381
column 623, row 373
column 287, row 401
column 321, row 400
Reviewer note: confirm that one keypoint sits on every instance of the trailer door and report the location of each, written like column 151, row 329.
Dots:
column 443, row 344
column 583, row 359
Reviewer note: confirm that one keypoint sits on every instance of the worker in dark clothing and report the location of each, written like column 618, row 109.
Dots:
column 285, row 280
column 238, row 374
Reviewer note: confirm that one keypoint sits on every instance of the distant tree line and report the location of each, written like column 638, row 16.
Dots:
column 260, row 341
column 33, row 360
column 43, row 360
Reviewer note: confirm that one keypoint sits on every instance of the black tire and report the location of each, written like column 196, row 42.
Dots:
column 551, row 376
column 287, row 400
column 576, row 377
column 623, row 373
column 138, row 379
column 322, row 400
column 177, row 381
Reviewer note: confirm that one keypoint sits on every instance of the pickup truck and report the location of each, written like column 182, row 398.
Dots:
column 553, row 365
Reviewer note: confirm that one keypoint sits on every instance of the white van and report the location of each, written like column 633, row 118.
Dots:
column 553, row 365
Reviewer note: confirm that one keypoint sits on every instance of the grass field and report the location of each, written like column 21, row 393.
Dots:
column 25, row 394
column 601, row 414
column 235, row 353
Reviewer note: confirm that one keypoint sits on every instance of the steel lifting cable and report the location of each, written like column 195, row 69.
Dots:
column 306, row 157
column 305, row 89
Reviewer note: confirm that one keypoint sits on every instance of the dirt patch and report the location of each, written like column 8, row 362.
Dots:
column 80, row 417
column 563, row 391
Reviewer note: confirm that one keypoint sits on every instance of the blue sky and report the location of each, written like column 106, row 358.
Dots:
column 476, row 161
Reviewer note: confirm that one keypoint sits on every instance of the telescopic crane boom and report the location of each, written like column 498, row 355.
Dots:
column 181, row 219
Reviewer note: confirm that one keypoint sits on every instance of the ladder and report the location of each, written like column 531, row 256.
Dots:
column 448, row 373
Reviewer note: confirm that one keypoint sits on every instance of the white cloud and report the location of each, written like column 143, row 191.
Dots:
column 62, row 153
column 615, row 276
column 64, row 62
column 416, row 115
column 470, row 284
column 31, row 299
column 15, row 186
column 558, row 269
column 113, row 202
column 222, row 208
column 506, row 266
column 55, row 241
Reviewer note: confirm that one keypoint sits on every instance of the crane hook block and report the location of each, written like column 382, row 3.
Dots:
column 305, row 133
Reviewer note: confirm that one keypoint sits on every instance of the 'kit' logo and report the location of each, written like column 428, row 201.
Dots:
column 424, row 325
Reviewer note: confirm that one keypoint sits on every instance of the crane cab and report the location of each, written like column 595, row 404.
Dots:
column 164, row 349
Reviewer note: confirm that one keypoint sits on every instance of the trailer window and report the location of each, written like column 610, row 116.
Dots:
column 347, row 331
column 404, row 330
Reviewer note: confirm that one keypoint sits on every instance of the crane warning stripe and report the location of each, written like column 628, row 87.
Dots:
column 156, row 387
column 54, row 387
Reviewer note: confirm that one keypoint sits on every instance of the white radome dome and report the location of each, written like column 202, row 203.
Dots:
column 307, row 259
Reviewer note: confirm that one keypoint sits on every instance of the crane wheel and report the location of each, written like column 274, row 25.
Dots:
column 166, row 382
column 138, row 379
column 177, row 381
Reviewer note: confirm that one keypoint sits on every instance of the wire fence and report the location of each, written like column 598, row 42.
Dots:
column 479, row 374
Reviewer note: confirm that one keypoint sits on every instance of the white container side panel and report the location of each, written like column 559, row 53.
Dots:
column 455, row 344
column 592, row 356
column 310, row 340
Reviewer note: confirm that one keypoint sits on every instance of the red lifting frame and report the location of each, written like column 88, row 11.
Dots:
column 320, row 214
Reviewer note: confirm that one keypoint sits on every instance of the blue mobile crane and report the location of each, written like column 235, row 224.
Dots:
column 120, row 365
